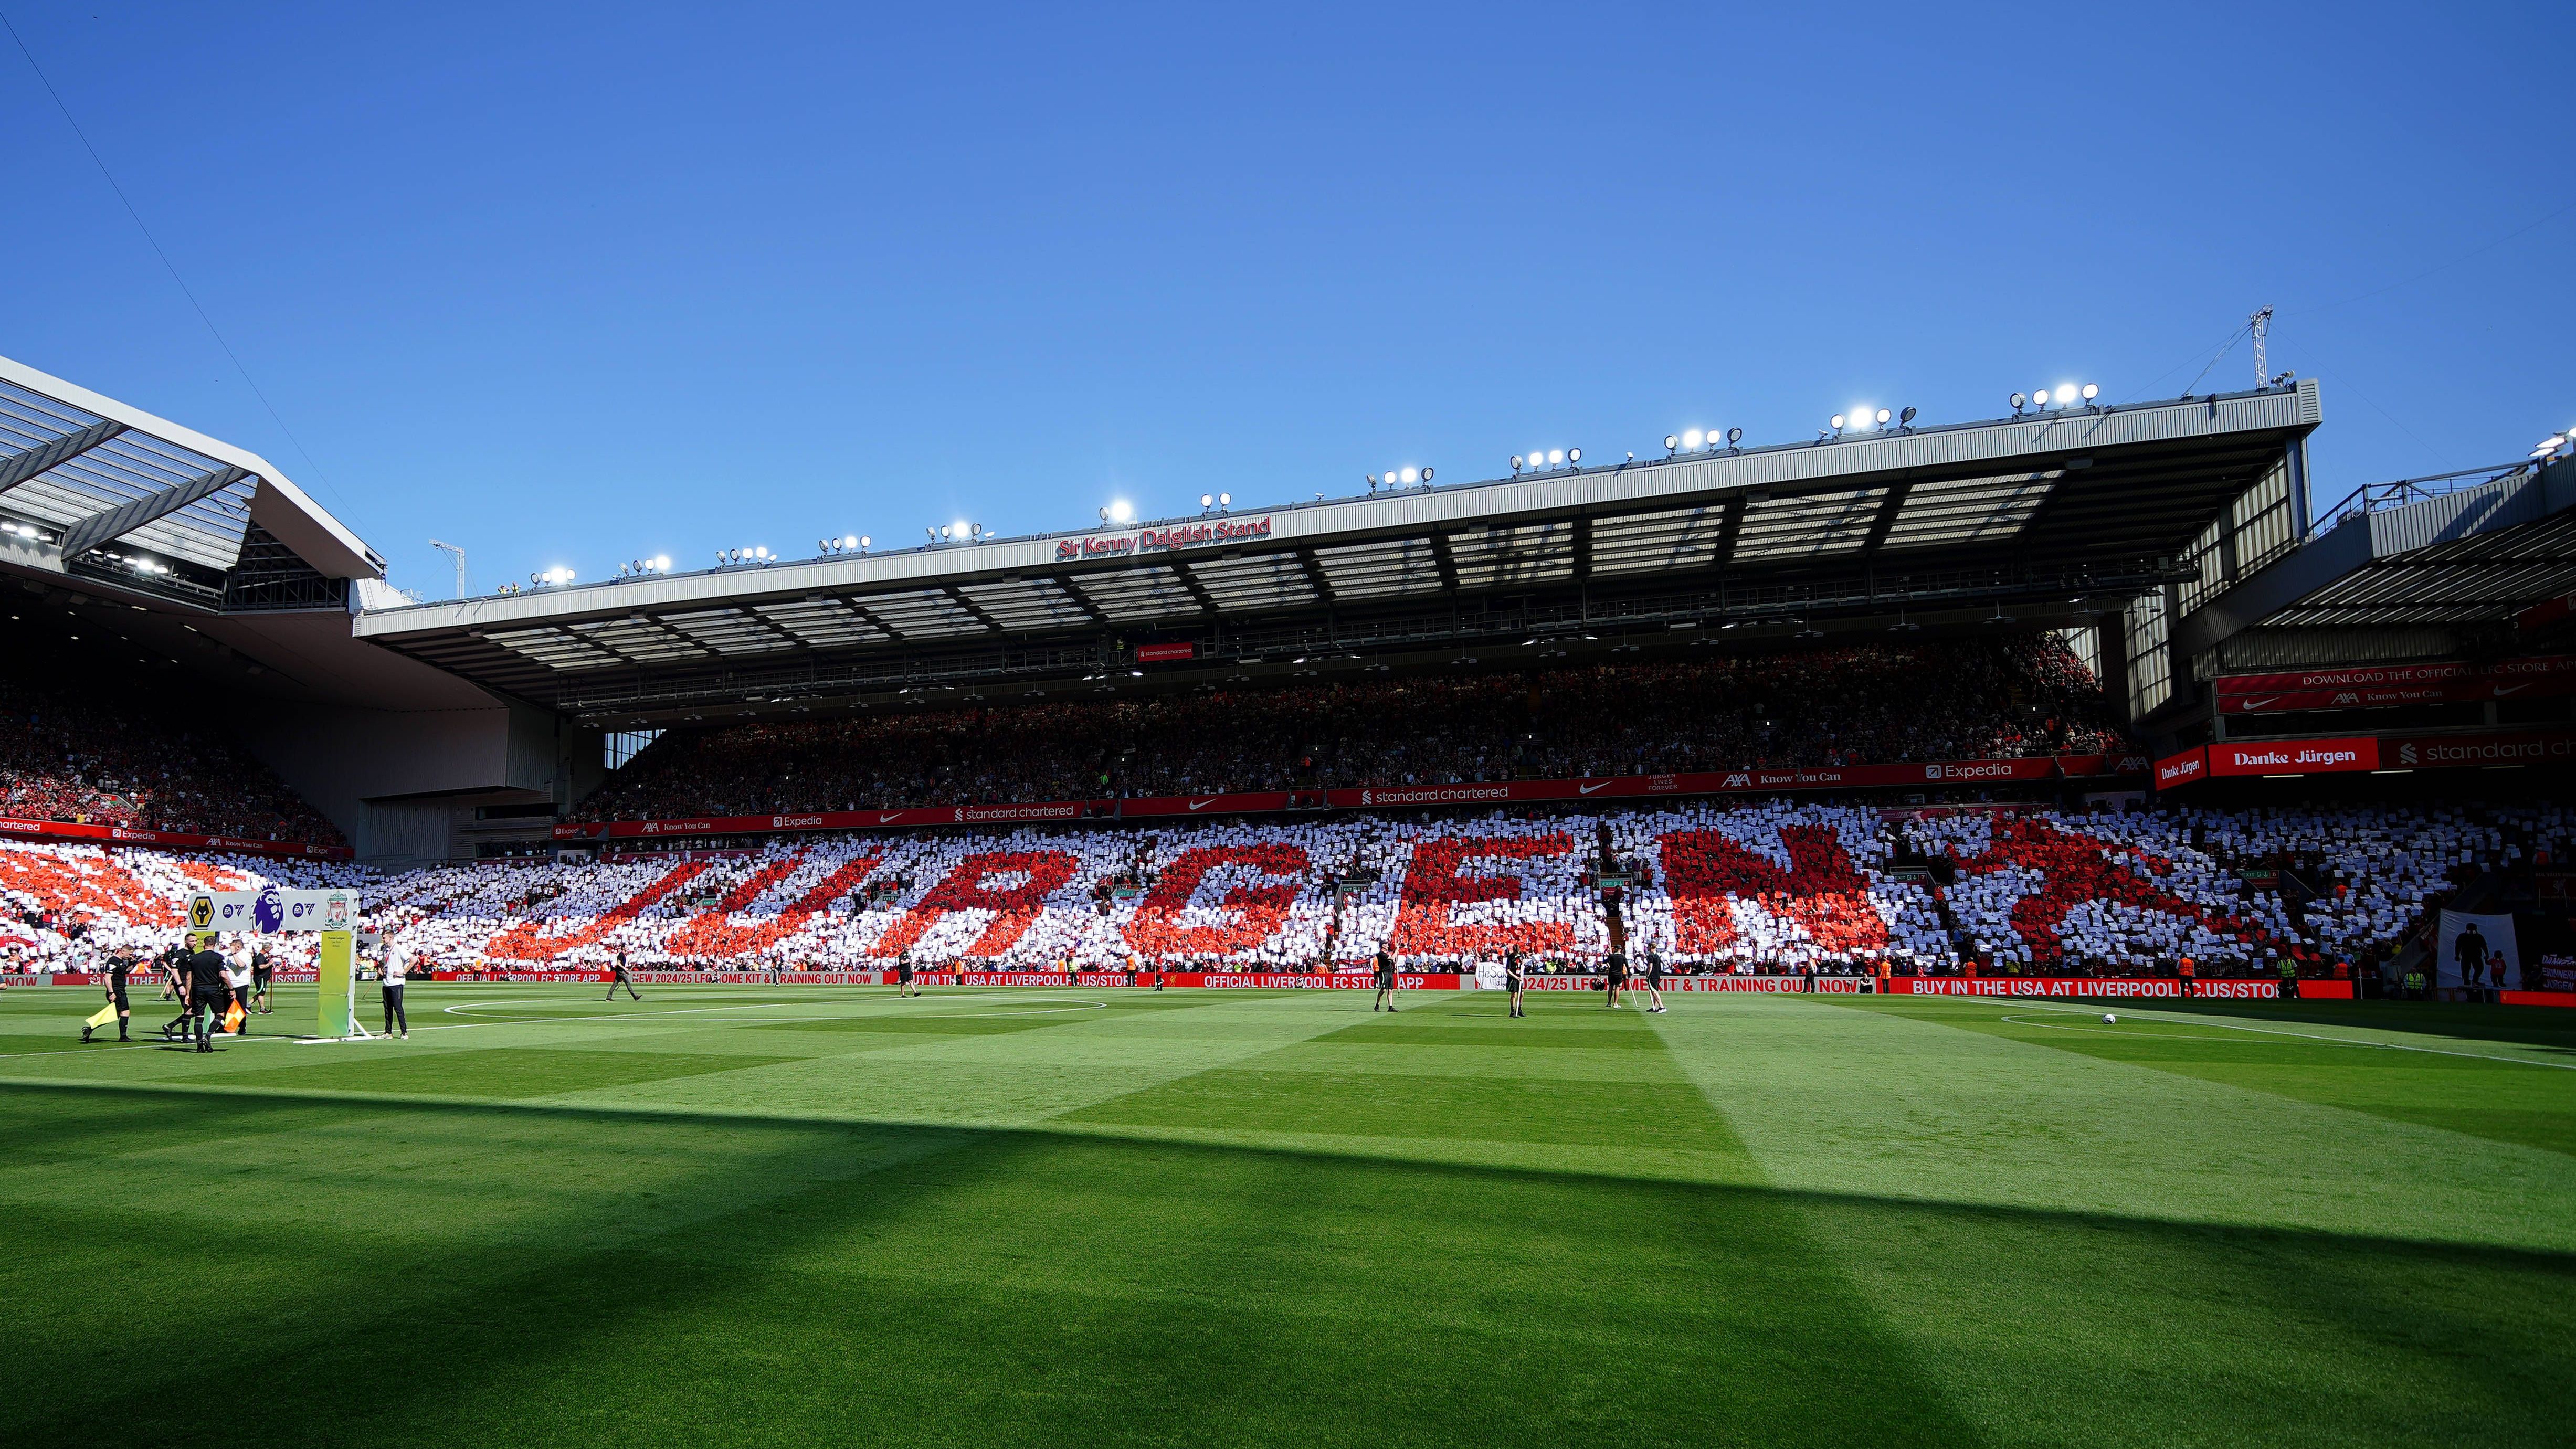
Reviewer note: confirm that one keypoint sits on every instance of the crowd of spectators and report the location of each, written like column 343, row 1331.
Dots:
column 86, row 756
column 69, row 907
column 1741, row 886
column 1963, row 699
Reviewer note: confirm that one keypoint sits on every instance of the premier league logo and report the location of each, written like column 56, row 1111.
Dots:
column 269, row 911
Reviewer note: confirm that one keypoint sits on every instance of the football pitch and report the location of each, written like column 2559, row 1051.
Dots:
column 829, row 1216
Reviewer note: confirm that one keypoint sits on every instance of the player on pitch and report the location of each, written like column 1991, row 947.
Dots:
column 1654, row 980
column 621, row 979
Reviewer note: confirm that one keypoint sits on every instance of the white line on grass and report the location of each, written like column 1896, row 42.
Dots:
column 2277, row 1031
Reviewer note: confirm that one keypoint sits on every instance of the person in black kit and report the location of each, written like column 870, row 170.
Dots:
column 1615, row 972
column 903, row 976
column 1654, row 980
column 208, row 992
column 1513, row 981
column 621, row 979
column 1385, row 983
column 173, row 966
column 261, row 969
column 119, row 966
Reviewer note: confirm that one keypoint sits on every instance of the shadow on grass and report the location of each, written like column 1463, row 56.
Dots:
column 874, row 1282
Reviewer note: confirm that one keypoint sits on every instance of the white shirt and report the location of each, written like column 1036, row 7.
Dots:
column 397, row 964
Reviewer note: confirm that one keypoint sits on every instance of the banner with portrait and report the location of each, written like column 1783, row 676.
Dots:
column 2478, row 953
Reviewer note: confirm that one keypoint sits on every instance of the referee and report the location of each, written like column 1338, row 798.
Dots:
column 208, row 994
column 120, row 964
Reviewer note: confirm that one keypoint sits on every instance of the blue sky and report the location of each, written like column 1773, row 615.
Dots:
column 570, row 286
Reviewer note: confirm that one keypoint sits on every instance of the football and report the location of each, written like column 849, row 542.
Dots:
column 2109, row 1019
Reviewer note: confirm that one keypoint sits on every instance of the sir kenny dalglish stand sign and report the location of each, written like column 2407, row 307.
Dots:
column 270, row 910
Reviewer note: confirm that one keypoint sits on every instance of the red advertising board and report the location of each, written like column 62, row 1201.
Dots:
column 2153, row 988
column 2472, row 750
column 2295, row 757
column 170, row 840
column 2378, row 686
column 2192, row 764
column 1164, row 653
column 1749, row 780
column 2486, row 747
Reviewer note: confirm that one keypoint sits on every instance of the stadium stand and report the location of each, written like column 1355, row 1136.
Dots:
column 73, row 754
column 64, row 907
column 1970, row 699
column 1767, row 886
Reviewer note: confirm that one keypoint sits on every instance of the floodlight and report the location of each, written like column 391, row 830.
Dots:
column 1838, row 422
column 2017, row 401
column 1412, row 476
column 1208, row 500
column 1516, row 462
column 1574, row 455
column 851, row 541
column 864, row 540
column 1121, row 510
column 2039, row 397
column 1882, row 417
column 1671, row 442
column 1734, row 436
column 1225, row 500
column 1691, row 438
column 1905, row 419
column 2092, row 391
column 661, row 563
column 1426, row 475
column 1555, row 456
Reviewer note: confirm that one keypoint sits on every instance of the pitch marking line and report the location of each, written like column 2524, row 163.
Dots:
column 2279, row 1031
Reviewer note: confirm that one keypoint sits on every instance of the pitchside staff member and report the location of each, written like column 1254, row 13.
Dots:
column 1385, row 983
column 1615, row 969
column 622, row 979
column 261, row 969
column 1513, row 981
column 1654, row 980
column 395, row 970
column 903, row 975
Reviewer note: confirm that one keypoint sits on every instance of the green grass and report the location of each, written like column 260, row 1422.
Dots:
column 1073, row 1217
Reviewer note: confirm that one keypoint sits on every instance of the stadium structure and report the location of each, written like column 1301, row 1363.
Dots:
column 1903, row 740
column 2168, row 542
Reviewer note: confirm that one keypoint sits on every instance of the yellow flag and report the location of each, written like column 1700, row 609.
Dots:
column 233, row 1018
column 106, row 1016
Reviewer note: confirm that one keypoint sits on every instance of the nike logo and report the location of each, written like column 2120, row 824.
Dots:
column 1203, row 804
column 883, row 816
column 2502, row 690
column 2255, row 704
column 1588, row 789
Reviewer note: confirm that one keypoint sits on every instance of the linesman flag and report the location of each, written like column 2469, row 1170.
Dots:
column 106, row 1016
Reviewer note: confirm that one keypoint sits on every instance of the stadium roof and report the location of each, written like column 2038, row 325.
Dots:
column 159, row 546
column 2423, row 567
column 2071, row 509
column 90, row 485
